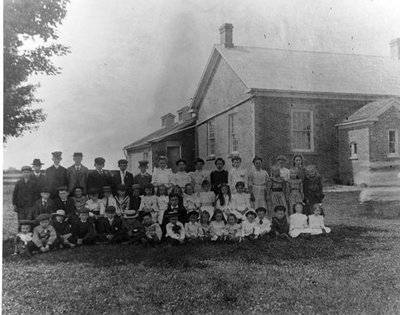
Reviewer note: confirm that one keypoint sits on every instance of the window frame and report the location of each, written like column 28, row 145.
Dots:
column 231, row 148
column 312, row 130
column 210, row 140
column 353, row 150
column 396, row 143
column 145, row 155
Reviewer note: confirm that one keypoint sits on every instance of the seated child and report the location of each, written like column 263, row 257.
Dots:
column 23, row 238
column 153, row 233
column 264, row 225
column 162, row 202
column 44, row 204
column 177, row 190
column 173, row 209
column 108, row 199
column 44, row 236
column 149, row 203
column 240, row 203
column 190, row 199
column 135, row 199
column 63, row 229
column 109, row 226
column 298, row 222
column 132, row 231
column 279, row 224
column 64, row 202
column 94, row 203
column 175, row 234
column 223, row 201
column 78, row 198
column 122, row 199
column 217, row 226
column 204, row 226
column 233, row 230
column 207, row 198
column 250, row 230
column 316, row 221
column 83, row 232
column 192, row 227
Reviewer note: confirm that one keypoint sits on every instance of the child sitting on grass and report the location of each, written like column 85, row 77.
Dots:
column 240, row 202
column 108, row 199
column 133, row 231
column 63, row 229
column 94, row 203
column 173, row 209
column 250, row 229
column 162, row 202
column 279, row 224
column 298, row 222
column 316, row 221
column 175, row 234
column 313, row 190
column 44, row 236
column 83, row 232
column 207, row 198
column 109, row 226
column 153, row 233
column 217, row 226
column 205, row 227
column 190, row 199
column 233, row 230
column 264, row 225
column 23, row 238
column 192, row 227
column 149, row 203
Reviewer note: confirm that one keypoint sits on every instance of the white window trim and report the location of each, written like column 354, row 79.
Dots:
column 209, row 153
column 230, row 142
column 396, row 153
column 353, row 156
column 312, row 130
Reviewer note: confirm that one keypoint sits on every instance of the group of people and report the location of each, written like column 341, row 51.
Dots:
column 73, row 207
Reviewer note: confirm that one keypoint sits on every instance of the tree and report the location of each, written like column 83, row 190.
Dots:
column 26, row 22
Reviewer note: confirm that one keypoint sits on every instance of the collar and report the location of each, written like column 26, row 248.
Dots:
column 56, row 166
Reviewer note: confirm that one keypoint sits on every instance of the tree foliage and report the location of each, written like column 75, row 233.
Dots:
column 27, row 22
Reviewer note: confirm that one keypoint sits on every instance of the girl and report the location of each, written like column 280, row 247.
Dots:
column 218, row 176
column 298, row 222
column 236, row 174
column 207, row 198
column 250, row 230
column 162, row 175
column 149, row 202
column 122, row 199
column 257, row 181
column 190, row 199
column 204, row 226
column 316, row 221
column 232, row 230
column 313, row 192
column 275, row 190
column 162, row 202
column 78, row 198
column 281, row 161
column 199, row 175
column 240, row 202
column 295, row 189
column 298, row 165
column 217, row 226
column 224, row 198
column 181, row 178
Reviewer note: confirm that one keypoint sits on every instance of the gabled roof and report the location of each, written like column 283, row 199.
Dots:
column 305, row 71
column 371, row 111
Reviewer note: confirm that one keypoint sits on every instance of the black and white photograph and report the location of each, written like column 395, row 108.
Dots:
column 201, row 157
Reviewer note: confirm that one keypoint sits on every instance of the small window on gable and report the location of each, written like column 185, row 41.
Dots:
column 353, row 150
column 393, row 143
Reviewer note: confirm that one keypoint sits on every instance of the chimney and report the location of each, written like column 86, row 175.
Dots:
column 395, row 48
column 168, row 120
column 226, row 35
column 183, row 114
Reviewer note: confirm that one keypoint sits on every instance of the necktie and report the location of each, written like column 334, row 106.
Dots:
column 261, row 222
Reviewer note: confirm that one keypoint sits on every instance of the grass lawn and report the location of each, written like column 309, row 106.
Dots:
column 353, row 271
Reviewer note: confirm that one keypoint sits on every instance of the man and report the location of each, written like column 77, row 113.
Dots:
column 24, row 195
column 143, row 178
column 56, row 175
column 38, row 178
column 123, row 177
column 77, row 174
column 99, row 178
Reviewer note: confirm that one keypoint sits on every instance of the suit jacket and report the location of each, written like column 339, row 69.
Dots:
column 98, row 181
column 24, row 194
column 179, row 211
column 116, row 180
column 142, row 180
column 56, row 177
column 76, row 178
column 39, row 208
column 104, row 227
column 39, row 182
column 68, row 206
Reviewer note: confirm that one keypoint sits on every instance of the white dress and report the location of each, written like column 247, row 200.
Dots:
column 162, row 177
column 226, row 208
column 207, row 202
column 149, row 203
column 285, row 173
column 191, row 202
column 316, row 224
column 162, row 203
column 197, row 179
column 298, row 224
column 249, row 228
column 240, row 204
column 258, row 181
column 181, row 179
column 236, row 175
column 217, row 229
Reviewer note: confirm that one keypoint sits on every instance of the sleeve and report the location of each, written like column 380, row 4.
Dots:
column 268, row 226
column 154, row 178
column 212, row 229
column 182, row 233
column 158, row 231
column 320, row 189
column 90, row 231
column 35, row 238
column 169, row 232
column 155, row 204
column 172, row 179
column 241, row 230
column 230, row 179
column 247, row 199
column 257, row 230
column 245, row 178
column 187, row 229
column 102, row 208
column 15, row 194
column 251, row 180
column 268, row 189
column 53, row 235
column 90, row 181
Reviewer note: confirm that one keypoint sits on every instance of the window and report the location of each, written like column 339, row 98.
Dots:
column 353, row 150
column 233, row 133
column 145, row 156
column 302, row 130
column 180, row 116
column 211, row 138
column 393, row 141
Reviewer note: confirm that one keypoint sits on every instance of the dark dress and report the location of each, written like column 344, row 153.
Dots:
column 217, row 178
column 313, row 192
column 24, row 198
column 55, row 178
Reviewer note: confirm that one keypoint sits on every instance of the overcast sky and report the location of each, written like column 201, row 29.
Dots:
column 133, row 61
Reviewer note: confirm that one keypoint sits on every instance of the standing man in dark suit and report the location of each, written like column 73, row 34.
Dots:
column 123, row 177
column 99, row 178
column 23, row 195
column 143, row 178
column 77, row 174
column 38, row 178
column 56, row 175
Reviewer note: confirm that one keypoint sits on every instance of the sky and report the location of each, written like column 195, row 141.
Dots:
column 133, row 61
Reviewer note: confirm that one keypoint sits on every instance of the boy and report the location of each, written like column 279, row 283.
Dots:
column 63, row 229
column 122, row 199
column 199, row 175
column 162, row 175
column 132, row 230
column 56, row 175
column 94, row 204
column 264, row 225
column 175, row 232
column 83, row 232
column 108, row 199
column 109, row 226
column 135, row 200
column 280, row 225
column 24, row 195
column 77, row 174
column 44, row 204
column 181, row 178
column 23, row 238
column 44, row 236
column 78, row 198
column 99, row 178
column 143, row 178
column 219, row 176
column 192, row 227
column 153, row 232
column 38, row 178
column 250, row 229
column 173, row 209
column 64, row 202
column 123, row 177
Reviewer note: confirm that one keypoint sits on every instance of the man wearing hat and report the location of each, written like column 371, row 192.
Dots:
column 99, row 177
column 24, row 195
column 77, row 174
column 44, row 204
column 143, row 178
column 123, row 177
column 56, row 175
column 37, row 176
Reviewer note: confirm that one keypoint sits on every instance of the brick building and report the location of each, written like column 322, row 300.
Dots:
column 266, row 102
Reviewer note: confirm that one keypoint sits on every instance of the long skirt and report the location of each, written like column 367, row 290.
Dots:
column 277, row 198
column 294, row 197
column 259, row 196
